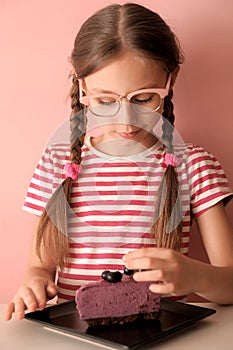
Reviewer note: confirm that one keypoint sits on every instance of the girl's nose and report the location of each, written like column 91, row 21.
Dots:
column 126, row 114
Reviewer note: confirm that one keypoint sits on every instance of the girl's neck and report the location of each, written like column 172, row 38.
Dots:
column 120, row 148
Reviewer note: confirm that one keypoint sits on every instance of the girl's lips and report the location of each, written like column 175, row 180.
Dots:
column 128, row 135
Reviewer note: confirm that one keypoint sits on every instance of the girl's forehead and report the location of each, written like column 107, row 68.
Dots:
column 127, row 73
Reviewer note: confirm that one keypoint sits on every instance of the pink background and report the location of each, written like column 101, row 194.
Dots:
column 36, row 38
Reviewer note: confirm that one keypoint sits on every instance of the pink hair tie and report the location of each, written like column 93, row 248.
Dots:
column 171, row 159
column 72, row 170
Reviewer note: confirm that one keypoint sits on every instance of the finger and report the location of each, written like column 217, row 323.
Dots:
column 19, row 308
column 160, row 253
column 152, row 275
column 39, row 293
column 51, row 289
column 30, row 300
column 163, row 288
column 9, row 311
column 146, row 263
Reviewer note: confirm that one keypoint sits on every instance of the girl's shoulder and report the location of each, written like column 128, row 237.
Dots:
column 190, row 148
column 58, row 153
column 57, row 148
column 197, row 158
column 189, row 152
column 195, row 153
column 194, row 148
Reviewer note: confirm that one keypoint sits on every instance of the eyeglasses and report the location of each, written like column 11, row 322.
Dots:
column 142, row 101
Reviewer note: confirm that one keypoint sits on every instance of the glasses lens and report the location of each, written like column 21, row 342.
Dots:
column 104, row 106
column 146, row 102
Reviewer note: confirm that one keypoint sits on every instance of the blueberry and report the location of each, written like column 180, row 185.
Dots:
column 117, row 276
column 128, row 272
column 105, row 274
column 114, row 277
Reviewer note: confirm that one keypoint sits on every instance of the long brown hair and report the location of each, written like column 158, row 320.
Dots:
column 101, row 39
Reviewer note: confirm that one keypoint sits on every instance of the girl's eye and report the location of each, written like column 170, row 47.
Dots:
column 106, row 101
column 143, row 99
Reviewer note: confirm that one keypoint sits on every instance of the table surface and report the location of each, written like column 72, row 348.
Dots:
column 214, row 332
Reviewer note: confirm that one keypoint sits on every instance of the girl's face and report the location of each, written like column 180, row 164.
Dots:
column 127, row 74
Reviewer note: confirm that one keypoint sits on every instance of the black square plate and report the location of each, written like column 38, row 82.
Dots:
column 174, row 317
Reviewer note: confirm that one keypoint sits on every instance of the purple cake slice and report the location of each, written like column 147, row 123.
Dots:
column 105, row 303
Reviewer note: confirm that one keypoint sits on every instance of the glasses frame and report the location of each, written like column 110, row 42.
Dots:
column 162, row 92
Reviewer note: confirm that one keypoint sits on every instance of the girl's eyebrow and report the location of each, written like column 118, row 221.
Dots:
column 103, row 91
column 99, row 90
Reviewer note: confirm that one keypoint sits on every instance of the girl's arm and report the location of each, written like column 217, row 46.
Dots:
column 38, row 284
column 181, row 275
column 217, row 236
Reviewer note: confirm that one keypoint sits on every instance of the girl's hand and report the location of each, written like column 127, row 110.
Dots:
column 177, row 274
column 31, row 296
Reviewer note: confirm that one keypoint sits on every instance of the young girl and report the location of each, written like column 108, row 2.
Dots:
column 124, row 192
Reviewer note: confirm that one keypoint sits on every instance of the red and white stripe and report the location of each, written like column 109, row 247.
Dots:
column 113, row 203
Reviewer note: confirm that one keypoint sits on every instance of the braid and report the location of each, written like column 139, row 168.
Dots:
column 53, row 227
column 74, row 94
column 77, row 128
column 168, row 127
column 77, row 124
column 168, row 108
column 165, row 229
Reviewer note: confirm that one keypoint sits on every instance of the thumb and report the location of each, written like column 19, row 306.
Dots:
column 51, row 289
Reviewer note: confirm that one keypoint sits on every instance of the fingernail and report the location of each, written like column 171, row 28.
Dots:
column 124, row 258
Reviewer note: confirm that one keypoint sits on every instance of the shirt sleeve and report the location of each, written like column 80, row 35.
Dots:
column 41, row 186
column 207, row 180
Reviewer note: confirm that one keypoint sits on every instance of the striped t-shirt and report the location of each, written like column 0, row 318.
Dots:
column 112, row 203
